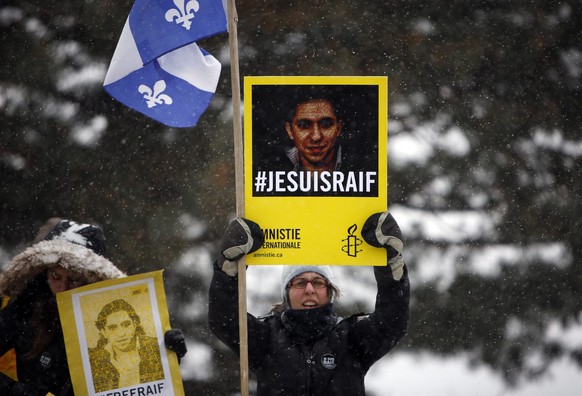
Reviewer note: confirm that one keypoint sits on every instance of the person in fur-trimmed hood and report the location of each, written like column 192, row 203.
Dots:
column 30, row 322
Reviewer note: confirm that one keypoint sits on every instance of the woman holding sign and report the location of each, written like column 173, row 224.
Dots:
column 302, row 347
column 70, row 256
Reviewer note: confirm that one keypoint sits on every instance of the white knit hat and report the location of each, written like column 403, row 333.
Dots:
column 291, row 271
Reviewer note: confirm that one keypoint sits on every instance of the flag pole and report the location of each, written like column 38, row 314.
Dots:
column 239, row 186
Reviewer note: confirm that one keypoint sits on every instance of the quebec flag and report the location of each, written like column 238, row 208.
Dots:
column 157, row 67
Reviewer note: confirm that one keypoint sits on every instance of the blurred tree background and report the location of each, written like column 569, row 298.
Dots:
column 504, row 76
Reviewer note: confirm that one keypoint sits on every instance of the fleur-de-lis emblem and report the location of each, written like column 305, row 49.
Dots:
column 156, row 96
column 182, row 14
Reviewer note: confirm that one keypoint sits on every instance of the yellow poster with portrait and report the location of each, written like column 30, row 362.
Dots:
column 315, row 167
column 114, row 336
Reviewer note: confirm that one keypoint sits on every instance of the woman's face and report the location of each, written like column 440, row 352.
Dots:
column 308, row 290
column 60, row 280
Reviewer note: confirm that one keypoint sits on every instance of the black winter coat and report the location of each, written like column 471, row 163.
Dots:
column 49, row 371
column 333, row 365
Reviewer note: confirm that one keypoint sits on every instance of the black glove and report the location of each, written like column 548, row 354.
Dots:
column 381, row 230
column 174, row 340
column 25, row 389
column 241, row 237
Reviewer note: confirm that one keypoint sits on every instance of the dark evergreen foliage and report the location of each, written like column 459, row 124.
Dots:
column 503, row 73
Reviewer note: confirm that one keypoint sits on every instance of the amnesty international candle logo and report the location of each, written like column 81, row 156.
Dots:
column 315, row 166
column 352, row 242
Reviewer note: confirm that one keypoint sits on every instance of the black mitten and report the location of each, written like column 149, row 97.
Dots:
column 241, row 237
column 381, row 230
column 174, row 339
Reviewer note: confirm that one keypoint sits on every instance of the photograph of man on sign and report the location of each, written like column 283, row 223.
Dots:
column 315, row 140
column 124, row 355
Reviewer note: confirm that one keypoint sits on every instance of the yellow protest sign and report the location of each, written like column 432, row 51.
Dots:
column 315, row 167
column 114, row 336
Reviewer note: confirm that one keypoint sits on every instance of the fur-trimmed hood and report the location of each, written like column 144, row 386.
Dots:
column 43, row 255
